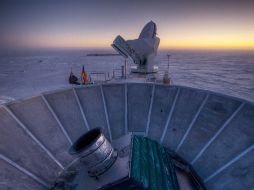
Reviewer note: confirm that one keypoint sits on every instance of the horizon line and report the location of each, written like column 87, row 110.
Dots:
column 108, row 47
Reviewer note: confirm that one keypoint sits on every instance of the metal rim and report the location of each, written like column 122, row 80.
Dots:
column 85, row 141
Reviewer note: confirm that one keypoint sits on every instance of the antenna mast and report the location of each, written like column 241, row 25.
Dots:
column 168, row 55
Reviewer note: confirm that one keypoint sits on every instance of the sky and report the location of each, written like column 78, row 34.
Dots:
column 181, row 24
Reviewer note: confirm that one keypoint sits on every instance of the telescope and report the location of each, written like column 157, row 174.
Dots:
column 142, row 50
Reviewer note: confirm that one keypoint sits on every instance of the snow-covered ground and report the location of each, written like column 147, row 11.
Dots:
column 229, row 73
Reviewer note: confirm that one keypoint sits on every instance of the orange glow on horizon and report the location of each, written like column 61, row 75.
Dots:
column 172, row 40
column 164, row 44
column 207, row 44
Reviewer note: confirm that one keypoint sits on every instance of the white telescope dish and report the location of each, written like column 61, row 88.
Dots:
column 142, row 50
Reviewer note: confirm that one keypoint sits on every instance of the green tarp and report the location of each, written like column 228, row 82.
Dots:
column 151, row 165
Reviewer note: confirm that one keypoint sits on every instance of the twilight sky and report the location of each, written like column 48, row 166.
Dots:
column 95, row 23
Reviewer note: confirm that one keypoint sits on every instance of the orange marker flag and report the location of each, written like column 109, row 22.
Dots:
column 84, row 76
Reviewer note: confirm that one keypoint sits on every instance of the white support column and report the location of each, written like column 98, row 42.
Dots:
column 169, row 116
column 57, row 119
column 25, row 171
column 81, row 109
column 229, row 163
column 106, row 113
column 217, row 133
column 32, row 136
column 192, row 123
column 150, row 111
